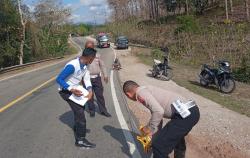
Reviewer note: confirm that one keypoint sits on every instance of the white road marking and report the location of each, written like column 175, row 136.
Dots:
column 130, row 140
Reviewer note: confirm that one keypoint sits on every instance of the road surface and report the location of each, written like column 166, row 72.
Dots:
column 40, row 125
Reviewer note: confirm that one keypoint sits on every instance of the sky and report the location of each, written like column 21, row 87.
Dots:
column 83, row 11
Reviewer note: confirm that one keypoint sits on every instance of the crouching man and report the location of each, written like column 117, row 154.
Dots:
column 165, row 104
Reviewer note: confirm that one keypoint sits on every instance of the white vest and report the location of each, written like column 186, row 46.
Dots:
column 76, row 78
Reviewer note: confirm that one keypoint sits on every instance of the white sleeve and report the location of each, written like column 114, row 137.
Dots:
column 87, row 81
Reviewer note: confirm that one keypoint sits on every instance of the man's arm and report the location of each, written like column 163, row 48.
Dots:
column 88, row 85
column 87, row 81
column 66, row 72
column 103, row 70
column 156, row 110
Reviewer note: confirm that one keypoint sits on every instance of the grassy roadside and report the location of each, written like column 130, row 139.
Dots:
column 71, row 49
column 187, row 76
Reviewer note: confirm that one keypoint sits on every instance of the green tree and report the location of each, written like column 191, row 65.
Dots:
column 9, row 29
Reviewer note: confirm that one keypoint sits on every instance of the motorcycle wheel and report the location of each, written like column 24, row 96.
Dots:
column 227, row 85
column 154, row 71
column 168, row 76
column 202, row 81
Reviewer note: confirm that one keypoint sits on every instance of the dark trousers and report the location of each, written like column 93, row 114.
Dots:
column 172, row 135
column 98, row 90
column 79, row 116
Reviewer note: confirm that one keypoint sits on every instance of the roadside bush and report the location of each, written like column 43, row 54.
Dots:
column 187, row 23
column 157, row 54
column 242, row 74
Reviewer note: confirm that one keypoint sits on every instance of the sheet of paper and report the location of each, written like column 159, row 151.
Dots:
column 80, row 100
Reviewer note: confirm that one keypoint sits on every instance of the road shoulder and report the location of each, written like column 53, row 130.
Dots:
column 220, row 132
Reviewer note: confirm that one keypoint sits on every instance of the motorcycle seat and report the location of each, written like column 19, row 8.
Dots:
column 157, row 61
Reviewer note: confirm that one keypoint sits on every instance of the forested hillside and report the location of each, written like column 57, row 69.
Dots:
column 196, row 31
column 32, row 34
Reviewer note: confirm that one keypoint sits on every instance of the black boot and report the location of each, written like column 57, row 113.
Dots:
column 84, row 143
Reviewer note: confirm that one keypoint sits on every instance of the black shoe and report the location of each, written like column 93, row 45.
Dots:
column 92, row 114
column 105, row 114
column 84, row 143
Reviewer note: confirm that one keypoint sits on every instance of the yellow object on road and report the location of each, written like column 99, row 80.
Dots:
column 145, row 140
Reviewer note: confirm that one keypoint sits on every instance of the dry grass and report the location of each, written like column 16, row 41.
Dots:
column 187, row 76
column 212, row 41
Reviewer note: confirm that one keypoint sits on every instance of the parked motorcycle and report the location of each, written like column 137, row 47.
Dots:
column 221, row 77
column 162, row 70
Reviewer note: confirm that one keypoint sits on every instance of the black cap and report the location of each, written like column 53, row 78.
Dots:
column 89, row 52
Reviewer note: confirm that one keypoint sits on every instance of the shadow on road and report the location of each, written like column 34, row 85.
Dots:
column 116, row 133
column 68, row 119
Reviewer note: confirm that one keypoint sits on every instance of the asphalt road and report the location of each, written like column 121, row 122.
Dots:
column 40, row 126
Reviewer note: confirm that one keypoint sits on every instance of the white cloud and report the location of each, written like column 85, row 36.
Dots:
column 93, row 2
column 93, row 8
column 75, row 17
column 90, row 11
column 69, row 5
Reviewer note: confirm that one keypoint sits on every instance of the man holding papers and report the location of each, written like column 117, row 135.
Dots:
column 75, row 94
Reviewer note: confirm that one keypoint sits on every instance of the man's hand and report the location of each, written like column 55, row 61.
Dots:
column 76, row 92
column 90, row 95
column 146, row 131
column 106, row 79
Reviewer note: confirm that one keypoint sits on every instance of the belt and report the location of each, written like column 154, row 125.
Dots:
column 94, row 76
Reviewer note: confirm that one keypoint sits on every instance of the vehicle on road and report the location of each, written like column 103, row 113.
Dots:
column 121, row 42
column 102, row 40
column 221, row 76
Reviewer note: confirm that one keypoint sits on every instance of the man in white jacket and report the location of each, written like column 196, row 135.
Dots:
column 71, row 76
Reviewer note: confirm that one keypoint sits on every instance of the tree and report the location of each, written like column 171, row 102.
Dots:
column 226, row 9
column 187, row 7
column 23, row 22
column 231, row 6
column 50, row 17
column 247, row 10
column 9, row 29
column 200, row 6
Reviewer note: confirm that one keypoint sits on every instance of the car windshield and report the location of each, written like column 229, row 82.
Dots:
column 122, row 40
column 104, row 37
